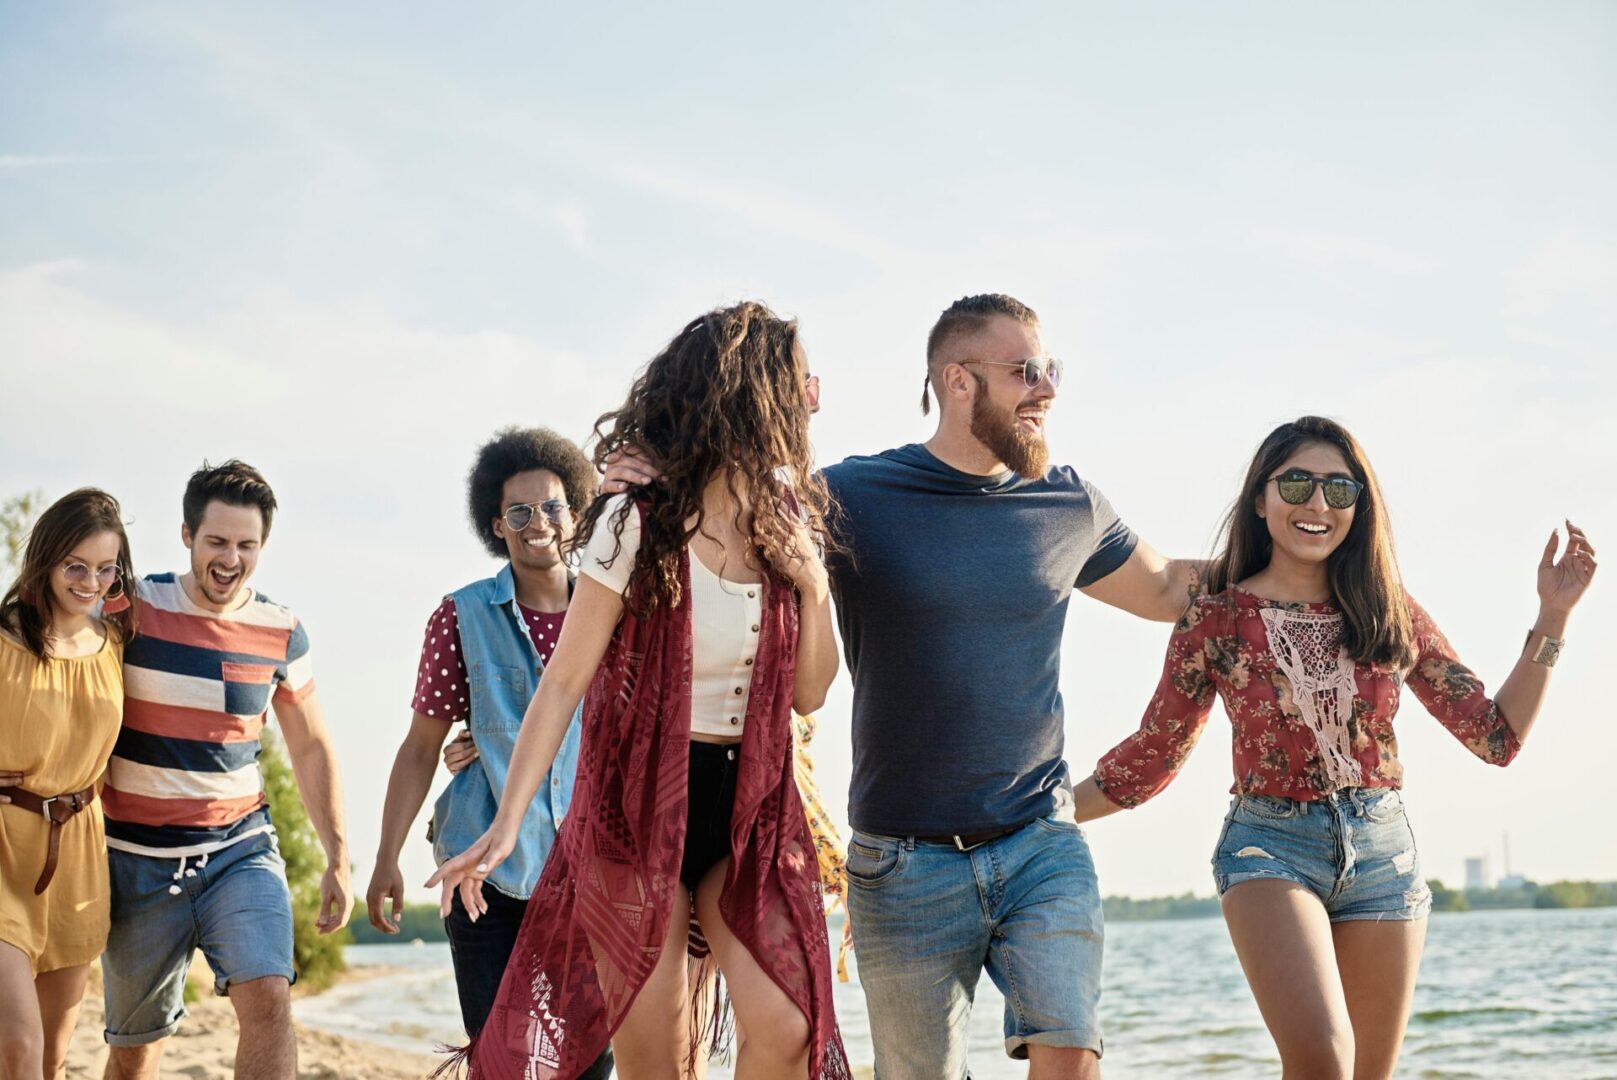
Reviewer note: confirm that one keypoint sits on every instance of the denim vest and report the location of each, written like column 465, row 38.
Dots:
column 503, row 670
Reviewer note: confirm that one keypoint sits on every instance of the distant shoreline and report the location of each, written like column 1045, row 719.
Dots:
column 421, row 921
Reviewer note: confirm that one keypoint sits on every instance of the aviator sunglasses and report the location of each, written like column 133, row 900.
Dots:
column 1034, row 369
column 520, row 515
column 1297, row 487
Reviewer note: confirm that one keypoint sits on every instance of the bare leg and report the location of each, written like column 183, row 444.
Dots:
column 134, row 1062
column 653, row 1042
column 265, row 1046
column 59, row 993
column 1284, row 941
column 780, row 1052
column 1061, row 1063
column 1379, row 962
column 22, row 1033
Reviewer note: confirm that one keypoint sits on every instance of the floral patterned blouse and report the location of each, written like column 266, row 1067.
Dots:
column 1307, row 720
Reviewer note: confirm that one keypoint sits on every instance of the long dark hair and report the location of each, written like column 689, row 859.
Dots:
column 726, row 394
column 29, row 604
column 1363, row 570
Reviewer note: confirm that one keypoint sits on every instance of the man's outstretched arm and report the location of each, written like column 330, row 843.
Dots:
column 1149, row 585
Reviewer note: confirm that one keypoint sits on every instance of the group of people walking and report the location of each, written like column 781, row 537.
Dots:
column 628, row 815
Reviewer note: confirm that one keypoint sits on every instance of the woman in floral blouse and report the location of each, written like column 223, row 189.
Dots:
column 1305, row 632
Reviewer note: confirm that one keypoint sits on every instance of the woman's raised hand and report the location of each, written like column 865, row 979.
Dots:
column 1562, row 582
column 467, row 870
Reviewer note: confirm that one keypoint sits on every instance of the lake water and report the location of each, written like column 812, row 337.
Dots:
column 1518, row 994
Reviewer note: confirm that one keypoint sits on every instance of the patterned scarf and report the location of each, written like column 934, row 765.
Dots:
column 594, row 929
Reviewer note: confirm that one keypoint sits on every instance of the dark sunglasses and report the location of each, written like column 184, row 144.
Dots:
column 1297, row 487
column 1034, row 369
column 520, row 515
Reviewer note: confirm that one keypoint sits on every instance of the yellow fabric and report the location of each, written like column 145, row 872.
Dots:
column 59, row 719
column 828, row 847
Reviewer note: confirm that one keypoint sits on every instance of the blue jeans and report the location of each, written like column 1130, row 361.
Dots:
column 1353, row 849
column 233, row 905
column 928, row 918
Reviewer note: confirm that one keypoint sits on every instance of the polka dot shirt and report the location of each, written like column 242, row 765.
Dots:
column 440, row 682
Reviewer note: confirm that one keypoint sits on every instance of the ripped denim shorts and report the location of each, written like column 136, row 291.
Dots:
column 1352, row 848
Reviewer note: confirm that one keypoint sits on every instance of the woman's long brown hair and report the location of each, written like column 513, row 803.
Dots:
column 29, row 604
column 726, row 395
column 1363, row 570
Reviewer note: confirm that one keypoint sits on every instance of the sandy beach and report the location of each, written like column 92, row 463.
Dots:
column 205, row 1047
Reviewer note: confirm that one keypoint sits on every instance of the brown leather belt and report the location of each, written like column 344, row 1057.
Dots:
column 58, row 809
column 967, row 841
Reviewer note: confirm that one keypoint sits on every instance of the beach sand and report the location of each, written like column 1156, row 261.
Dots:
column 205, row 1047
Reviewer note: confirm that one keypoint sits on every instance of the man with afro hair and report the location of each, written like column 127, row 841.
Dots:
column 483, row 655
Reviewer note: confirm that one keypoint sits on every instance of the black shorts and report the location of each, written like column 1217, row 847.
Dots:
column 707, row 814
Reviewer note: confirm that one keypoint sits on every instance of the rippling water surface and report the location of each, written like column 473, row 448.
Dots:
column 1518, row 994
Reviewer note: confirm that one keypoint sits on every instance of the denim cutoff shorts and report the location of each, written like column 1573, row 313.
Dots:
column 928, row 919
column 232, row 904
column 1352, row 848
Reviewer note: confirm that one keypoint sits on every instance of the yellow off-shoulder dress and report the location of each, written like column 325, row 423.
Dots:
column 59, row 719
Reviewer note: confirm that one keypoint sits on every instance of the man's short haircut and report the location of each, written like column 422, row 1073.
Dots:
column 963, row 318
column 517, row 450
column 235, row 483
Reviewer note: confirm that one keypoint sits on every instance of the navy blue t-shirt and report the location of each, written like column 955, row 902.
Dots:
column 951, row 599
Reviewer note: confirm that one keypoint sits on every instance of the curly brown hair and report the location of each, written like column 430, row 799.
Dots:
column 725, row 396
column 29, row 605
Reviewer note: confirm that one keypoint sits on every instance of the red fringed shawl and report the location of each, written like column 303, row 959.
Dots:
column 595, row 926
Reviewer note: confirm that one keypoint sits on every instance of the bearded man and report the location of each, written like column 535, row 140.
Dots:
column 958, row 557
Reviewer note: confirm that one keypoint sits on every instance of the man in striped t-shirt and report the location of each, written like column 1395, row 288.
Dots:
column 193, row 855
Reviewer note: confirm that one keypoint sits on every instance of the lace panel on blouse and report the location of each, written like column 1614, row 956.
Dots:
column 1308, row 651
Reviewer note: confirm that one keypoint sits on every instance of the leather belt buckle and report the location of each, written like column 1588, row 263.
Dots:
column 45, row 806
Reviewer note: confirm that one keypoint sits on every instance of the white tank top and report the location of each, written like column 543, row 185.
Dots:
column 725, row 620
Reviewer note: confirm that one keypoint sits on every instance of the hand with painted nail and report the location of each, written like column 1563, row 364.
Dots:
column 627, row 468
column 467, row 870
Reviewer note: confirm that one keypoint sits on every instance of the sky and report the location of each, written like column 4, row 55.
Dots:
column 349, row 243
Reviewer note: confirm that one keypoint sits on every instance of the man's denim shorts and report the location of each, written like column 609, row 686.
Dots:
column 928, row 919
column 232, row 904
column 1353, row 849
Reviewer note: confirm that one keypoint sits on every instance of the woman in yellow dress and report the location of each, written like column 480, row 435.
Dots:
column 61, row 702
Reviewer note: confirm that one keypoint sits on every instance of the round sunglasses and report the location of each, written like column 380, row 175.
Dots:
column 1297, row 487
column 110, row 577
column 1035, row 369
column 519, row 516
column 79, row 574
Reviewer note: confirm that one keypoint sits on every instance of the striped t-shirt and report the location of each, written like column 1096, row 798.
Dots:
column 184, row 777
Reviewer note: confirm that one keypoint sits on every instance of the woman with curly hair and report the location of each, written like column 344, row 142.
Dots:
column 1305, row 632
column 63, row 626
column 700, row 621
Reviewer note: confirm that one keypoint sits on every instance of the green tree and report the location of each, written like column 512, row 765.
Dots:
column 1447, row 899
column 317, row 959
column 17, row 515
